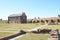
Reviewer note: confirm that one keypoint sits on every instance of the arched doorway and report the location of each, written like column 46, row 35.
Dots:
column 42, row 21
column 46, row 21
column 58, row 20
column 34, row 22
column 52, row 22
column 38, row 21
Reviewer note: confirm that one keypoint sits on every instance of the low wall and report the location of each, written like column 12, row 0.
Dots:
column 12, row 36
column 40, row 31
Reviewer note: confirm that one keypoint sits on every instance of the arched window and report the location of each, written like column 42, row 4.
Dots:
column 46, row 21
column 52, row 20
column 37, row 21
column 34, row 22
column 42, row 21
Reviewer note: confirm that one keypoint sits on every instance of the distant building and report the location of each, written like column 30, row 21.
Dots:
column 51, row 20
column 17, row 18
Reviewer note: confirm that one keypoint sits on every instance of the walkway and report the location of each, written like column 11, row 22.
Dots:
column 27, row 34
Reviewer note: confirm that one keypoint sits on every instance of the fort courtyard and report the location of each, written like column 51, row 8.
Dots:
column 17, row 22
column 29, row 19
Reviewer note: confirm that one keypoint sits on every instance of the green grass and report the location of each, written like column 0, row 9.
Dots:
column 18, row 26
column 39, row 36
column 13, row 28
column 52, row 27
column 4, row 34
column 34, row 37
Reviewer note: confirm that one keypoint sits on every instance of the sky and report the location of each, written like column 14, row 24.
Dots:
column 32, row 8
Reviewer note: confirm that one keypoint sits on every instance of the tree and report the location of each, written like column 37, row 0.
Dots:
column 38, row 17
column 58, row 15
column 35, row 18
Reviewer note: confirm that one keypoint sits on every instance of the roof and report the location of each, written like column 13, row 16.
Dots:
column 14, row 15
column 50, row 18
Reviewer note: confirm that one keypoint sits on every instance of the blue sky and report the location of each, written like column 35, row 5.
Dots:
column 32, row 8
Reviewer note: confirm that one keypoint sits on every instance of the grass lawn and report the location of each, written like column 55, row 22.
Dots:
column 6, row 29
column 52, row 27
column 39, row 36
column 16, row 27
column 34, row 37
column 13, row 28
column 4, row 34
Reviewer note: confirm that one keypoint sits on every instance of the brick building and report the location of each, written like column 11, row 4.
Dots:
column 51, row 20
column 17, row 18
